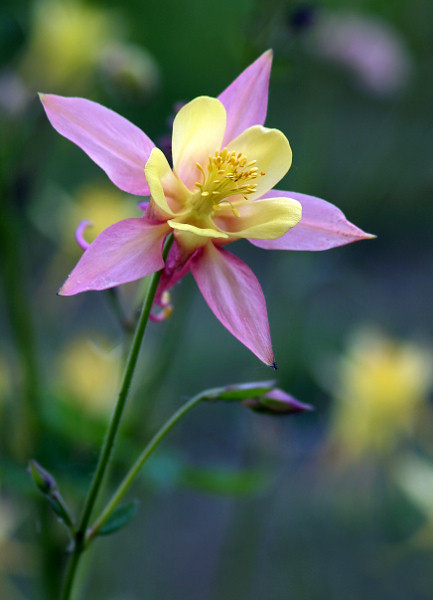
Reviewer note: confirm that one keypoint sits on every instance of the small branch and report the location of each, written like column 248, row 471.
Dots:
column 135, row 469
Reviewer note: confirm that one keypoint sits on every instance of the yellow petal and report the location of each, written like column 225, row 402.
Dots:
column 266, row 219
column 168, row 193
column 207, row 232
column 271, row 149
column 198, row 130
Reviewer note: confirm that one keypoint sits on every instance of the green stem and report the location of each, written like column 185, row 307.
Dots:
column 135, row 469
column 110, row 438
column 70, row 574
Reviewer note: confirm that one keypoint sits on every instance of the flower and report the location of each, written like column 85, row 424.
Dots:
column 382, row 395
column 87, row 374
column 369, row 48
column 224, row 165
column 66, row 42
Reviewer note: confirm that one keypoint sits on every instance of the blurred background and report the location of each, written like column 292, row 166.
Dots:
column 332, row 504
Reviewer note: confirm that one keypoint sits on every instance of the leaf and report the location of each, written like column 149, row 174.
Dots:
column 120, row 518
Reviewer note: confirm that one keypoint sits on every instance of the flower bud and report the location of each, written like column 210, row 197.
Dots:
column 42, row 479
column 260, row 396
column 276, row 402
column 46, row 484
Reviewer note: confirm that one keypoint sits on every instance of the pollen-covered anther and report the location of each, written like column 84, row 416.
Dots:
column 228, row 174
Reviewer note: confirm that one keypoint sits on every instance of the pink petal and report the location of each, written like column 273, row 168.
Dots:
column 120, row 148
column 246, row 99
column 321, row 227
column 125, row 251
column 235, row 297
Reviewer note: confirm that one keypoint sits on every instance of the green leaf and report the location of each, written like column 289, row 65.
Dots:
column 120, row 518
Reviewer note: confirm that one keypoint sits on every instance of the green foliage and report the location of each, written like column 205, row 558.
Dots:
column 120, row 518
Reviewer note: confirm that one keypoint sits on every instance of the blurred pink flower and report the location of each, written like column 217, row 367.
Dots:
column 224, row 166
column 371, row 49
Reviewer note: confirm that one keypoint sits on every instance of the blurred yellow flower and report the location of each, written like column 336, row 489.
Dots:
column 58, row 216
column 381, row 392
column 89, row 375
column 66, row 41
column 102, row 205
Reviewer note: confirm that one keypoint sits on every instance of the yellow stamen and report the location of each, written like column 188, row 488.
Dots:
column 228, row 174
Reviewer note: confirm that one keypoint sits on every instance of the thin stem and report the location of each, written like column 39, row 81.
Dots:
column 135, row 469
column 70, row 573
column 123, row 394
column 110, row 438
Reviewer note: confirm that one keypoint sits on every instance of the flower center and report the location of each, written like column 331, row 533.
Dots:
column 228, row 174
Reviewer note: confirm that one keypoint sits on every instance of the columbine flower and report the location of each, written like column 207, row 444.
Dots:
column 224, row 165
